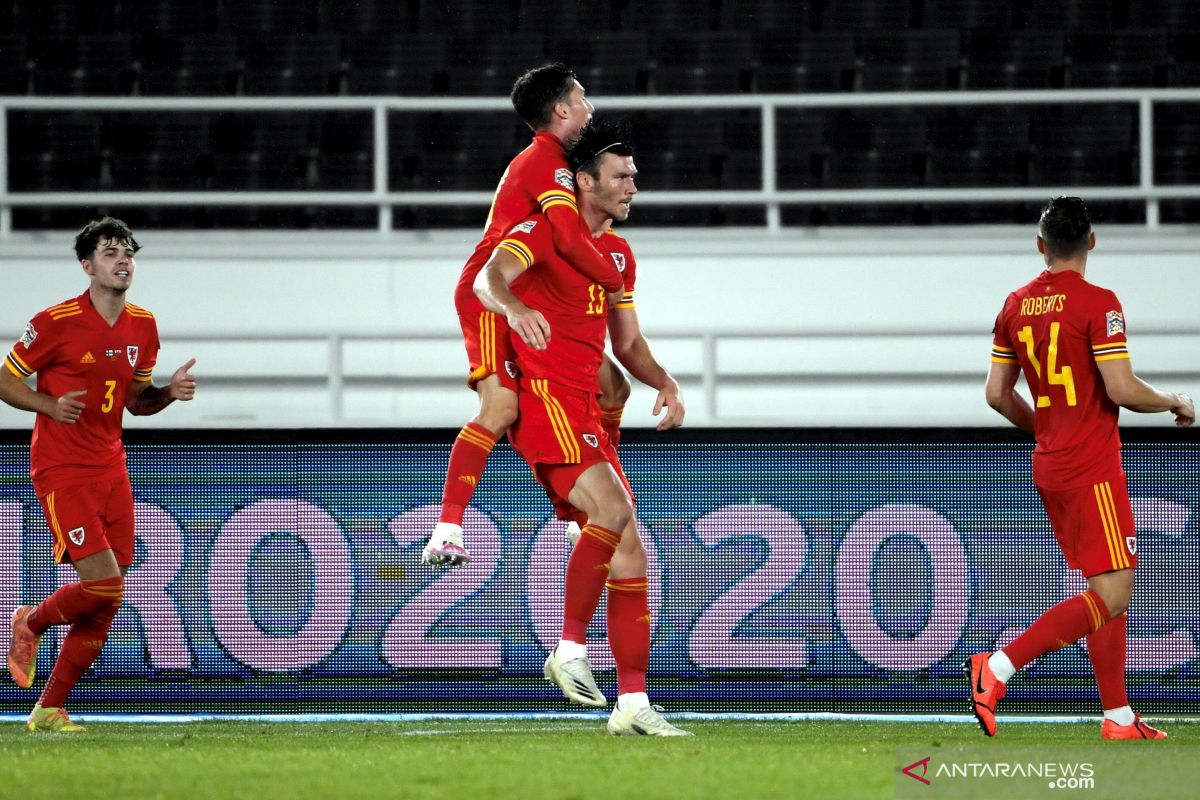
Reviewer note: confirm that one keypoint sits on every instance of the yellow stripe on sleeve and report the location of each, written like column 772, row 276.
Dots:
column 518, row 249
column 553, row 203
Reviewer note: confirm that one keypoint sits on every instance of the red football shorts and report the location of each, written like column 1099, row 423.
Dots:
column 489, row 349
column 90, row 518
column 558, row 433
column 1094, row 525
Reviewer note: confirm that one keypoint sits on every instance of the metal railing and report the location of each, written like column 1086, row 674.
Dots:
column 768, row 196
column 707, row 372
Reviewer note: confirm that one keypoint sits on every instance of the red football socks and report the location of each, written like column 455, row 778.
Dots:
column 610, row 421
column 587, row 570
column 1064, row 624
column 87, row 635
column 75, row 601
column 1106, row 648
column 629, row 631
column 468, row 457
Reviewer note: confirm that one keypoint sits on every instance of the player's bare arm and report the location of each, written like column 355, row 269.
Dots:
column 16, row 393
column 1002, row 395
column 491, row 287
column 145, row 398
column 1129, row 391
column 630, row 347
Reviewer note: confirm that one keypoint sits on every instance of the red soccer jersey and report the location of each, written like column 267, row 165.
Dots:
column 576, row 308
column 70, row 347
column 537, row 179
column 1057, row 327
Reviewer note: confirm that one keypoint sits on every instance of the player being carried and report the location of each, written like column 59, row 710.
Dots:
column 93, row 355
column 559, row 324
column 1068, row 337
column 552, row 103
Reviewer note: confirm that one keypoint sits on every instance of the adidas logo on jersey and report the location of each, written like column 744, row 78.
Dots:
column 88, row 358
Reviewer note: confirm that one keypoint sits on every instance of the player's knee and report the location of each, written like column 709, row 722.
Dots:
column 1117, row 604
column 621, row 509
column 617, row 393
column 104, row 597
column 499, row 414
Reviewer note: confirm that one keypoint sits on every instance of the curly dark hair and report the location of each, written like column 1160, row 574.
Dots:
column 597, row 138
column 104, row 229
column 1064, row 226
column 537, row 90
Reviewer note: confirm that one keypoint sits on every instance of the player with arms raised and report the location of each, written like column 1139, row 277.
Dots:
column 93, row 355
column 560, row 321
column 1068, row 337
column 553, row 104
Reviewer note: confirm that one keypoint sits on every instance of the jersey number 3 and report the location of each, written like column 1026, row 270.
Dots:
column 1057, row 375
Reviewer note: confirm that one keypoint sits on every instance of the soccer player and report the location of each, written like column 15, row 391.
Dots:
column 560, row 324
column 553, row 104
column 1068, row 337
column 93, row 355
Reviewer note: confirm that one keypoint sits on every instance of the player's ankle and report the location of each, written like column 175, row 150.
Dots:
column 632, row 701
column 569, row 651
column 1122, row 716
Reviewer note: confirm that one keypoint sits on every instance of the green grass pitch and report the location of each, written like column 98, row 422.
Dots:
column 519, row 758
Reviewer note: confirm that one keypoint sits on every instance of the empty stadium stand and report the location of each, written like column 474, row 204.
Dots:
column 474, row 48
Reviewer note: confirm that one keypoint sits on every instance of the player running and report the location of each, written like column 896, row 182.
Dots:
column 1068, row 337
column 560, row 323
column 552, row 102
column 93, row 355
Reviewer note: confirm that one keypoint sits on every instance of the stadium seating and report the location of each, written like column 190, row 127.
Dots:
column 14, row 66
column 1118, row 58
column 1177, row 157
column 967, row 15
column 83, row 65
column 187, row 64
column 1019, row 60
column 911, row 61
column 262, row 48
column 607, row 63
column 396, row 64
column 303, row 64
column 702, row 63
column 978, row 146
column 809, row 62
column 178, row 17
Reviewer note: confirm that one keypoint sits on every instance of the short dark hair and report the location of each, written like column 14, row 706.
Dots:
column 597, row 138
column 1064, row 226
column 99, row 230
column 537, row 90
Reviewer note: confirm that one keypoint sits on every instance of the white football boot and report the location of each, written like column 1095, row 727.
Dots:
column 574, row 677
column 644, row 721
column 445, row 547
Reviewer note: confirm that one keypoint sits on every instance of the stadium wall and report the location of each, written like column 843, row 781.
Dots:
column 821, row 327
column 789, row 570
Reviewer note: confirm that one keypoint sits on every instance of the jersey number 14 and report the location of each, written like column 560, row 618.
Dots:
column 1058, row 375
